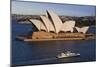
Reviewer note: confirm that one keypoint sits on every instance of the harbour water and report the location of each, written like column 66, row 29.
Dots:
column 45, row 52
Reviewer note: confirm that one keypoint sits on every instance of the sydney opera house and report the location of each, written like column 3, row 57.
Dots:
column 52, row 23
column 50, row 26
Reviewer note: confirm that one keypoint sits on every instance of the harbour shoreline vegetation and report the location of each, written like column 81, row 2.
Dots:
column 80, row 21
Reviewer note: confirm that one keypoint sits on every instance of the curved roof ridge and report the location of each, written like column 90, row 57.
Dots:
column 38, row 24
column 47, row 23
column 68, row 26
column 83, row 29
column 56, row 21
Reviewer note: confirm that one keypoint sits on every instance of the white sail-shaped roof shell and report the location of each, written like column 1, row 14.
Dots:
column 83, row 29
column 48, row 24
column 56, row 21
column 68, row 26
column 38, row 24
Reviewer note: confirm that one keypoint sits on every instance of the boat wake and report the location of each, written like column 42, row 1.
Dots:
column 36, row 61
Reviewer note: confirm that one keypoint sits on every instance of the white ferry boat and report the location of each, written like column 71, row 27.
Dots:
column 67, row 54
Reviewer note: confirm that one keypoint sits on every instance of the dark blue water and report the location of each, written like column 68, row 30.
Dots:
column 45, row 52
